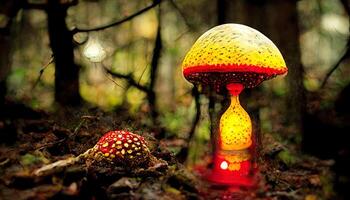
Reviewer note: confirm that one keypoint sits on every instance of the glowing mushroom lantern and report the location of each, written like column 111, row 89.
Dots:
column 232, row 57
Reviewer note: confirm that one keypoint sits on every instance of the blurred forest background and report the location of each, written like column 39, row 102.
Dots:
column 124, row 57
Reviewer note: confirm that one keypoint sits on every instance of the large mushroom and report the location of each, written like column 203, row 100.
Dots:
column 231, row 57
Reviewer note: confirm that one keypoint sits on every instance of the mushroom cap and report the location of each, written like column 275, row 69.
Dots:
column 122, row 147
column 232, row 53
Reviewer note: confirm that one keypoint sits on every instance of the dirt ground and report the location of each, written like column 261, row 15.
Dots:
column 31, row 139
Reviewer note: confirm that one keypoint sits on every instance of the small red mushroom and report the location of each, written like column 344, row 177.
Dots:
column 122, row 147
column 119, row 148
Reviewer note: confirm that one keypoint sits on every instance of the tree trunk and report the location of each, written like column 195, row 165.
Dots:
column 284, row 31
column 61, row 41
column 4, row 63
column 9, row 9
column 153, row 75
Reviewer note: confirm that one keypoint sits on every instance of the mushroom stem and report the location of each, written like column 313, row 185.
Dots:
column 235, row 124
column 234, row 88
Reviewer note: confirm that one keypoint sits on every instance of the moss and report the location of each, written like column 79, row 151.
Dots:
column 32, row 159
column 287, row 157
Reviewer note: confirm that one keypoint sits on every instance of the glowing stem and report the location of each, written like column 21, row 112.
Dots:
column 235, row 123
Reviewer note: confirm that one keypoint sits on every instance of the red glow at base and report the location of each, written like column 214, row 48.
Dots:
column 220, row 173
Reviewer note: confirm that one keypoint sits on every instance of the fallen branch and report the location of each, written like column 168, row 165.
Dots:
column 153, row 164
column 61, row 164
column 79, row 30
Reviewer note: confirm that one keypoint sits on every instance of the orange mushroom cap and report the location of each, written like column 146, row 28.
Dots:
column 232, row 53
column 122, row 147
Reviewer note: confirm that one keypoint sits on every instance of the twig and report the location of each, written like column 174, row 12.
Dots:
column 347, row 52
column 154, row 4
column 42, row 71
column 182, row 156
column 188, row 24
column 109, row 78
column 195, row 94
column 77, row 128
column 335, row 66
column 89, row 117
column 131, row 81
column 143, row 72
column 60, row 164
column 212, row 118
column 292, row 194
column 181, row 35
column 71, row 135
column 4, row 162
column 50, row 144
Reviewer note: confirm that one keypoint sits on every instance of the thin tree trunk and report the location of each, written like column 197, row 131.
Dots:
column 61, row 41
column 153, row 75
column 284, row 31
column 9, row 9
column 214, row 121
column 4, row 63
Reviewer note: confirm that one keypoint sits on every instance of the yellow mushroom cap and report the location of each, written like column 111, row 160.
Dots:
column 233, row 53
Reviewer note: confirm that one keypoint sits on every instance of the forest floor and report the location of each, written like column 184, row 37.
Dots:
column 31, row 139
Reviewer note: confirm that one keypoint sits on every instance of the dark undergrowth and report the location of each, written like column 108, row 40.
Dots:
column 32, row 138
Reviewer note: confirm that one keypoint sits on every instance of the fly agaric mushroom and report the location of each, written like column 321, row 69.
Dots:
column 122, row 147
column 231, row 57
column 116, row 147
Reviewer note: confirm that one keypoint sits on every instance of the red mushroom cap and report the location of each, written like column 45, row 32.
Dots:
column 122, row 147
